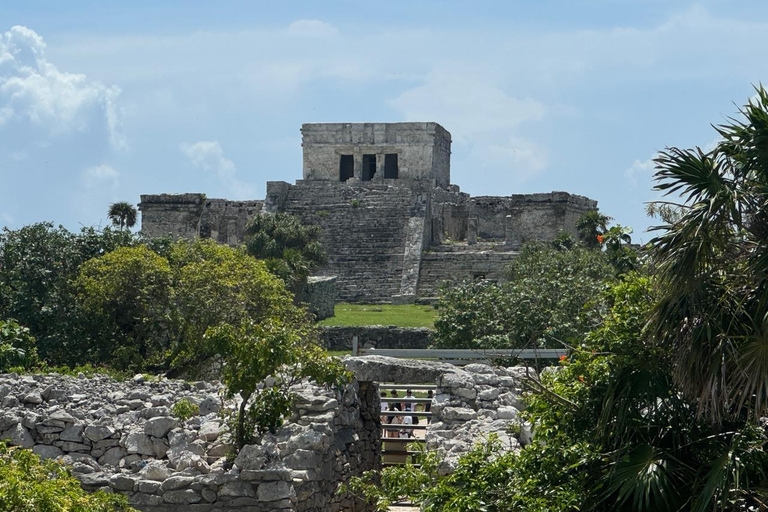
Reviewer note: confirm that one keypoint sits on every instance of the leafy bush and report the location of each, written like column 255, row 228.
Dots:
column 185, row 409
column 539, row 306
column 17, row 346
column 28, row 484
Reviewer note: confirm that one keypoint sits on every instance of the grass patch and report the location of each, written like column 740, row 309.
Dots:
column 403, row 315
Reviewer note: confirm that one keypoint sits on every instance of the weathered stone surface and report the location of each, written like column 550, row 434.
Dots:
column 19, row 436
column 274, row 491
column 390, row 369
column 138, row 443
column 236, row 489
column 98, row 432
column 160, row 426
column 251, row 457
column 185, row 497
column 46, row 451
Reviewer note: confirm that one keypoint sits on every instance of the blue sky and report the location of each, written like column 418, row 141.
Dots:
column 101, row 102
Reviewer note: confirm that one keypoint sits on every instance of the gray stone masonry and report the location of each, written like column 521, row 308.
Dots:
column 470, row 403
column 388, row 239
column 320, row 295
column 423, row 150
column 376, row 336
column 122, row 437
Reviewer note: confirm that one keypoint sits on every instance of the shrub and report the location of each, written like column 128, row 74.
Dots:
column 17, row 346
column 185, row 409
column 28, row 484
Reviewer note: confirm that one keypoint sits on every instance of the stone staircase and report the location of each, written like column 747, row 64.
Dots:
column 364, row 233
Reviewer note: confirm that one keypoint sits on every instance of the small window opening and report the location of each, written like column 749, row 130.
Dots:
column 369, row 167
column 346, row 167
column 390, row 166
column 478, row 276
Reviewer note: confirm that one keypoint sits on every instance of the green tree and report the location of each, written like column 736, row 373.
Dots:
column 590, row 225
column 291, row 249
column 122, row 214
column 216, row 284
column 126, row 296
column 28, row 484
column 711, row 263
column 38, row 266
column 541, row 305
column 17, row 346
column 261, row 362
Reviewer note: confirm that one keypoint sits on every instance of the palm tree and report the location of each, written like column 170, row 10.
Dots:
column 712, row 266
column 122, row 214
column 590, row 225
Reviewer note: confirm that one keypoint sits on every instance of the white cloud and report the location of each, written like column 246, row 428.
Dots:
column 209, row 156
column 101, row 177
column 640, row 169
column 33, row 89
column 312, row 28
column 467, row 102
column 523, row 157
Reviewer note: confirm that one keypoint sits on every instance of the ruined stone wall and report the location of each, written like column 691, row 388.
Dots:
column 365, row 227
column 194, row 215
column 320, row 295
column 470, row 403
column 376, row 336
column 423, row 149
column 456, row 263
column 121, row 436
column 531, row 216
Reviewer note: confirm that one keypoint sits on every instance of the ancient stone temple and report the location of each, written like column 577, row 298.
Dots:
column 394, row 227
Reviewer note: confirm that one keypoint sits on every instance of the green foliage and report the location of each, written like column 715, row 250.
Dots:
column 590, row 225
column 122, row 214
column 290, row 249
column 38, row 265
column 711, row 262
column 28, row 484
column 402, row 315
column 262, row 360
column 17, row 346
column 539, row 306
column 185, row 409
column 125, row 295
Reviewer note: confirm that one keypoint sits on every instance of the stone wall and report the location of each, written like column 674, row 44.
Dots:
column 423, row 149
column 470, row 403
column 320, row 295
column 121, row 436
column 364, row 227
column 522, row 218
column 194, row 215
column 456, row 263
column 376, row 336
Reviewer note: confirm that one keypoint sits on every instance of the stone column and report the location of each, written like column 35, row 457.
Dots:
column 511, row 236
column 472, row 231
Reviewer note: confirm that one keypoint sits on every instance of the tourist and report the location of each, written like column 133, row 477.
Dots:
column 410, row 405
column 428, row 405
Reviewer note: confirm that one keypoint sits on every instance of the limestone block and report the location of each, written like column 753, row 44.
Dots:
column 274, row 491
column 19, row 436
column 237, row 489
column 98, row 432
column 122, row 482
column 155, row 470
column 160, row 426
column 138, row 443
column 185, row 497
column 73, row 432
column 112, row 457
column 46, row 451
column 177, row 482
column 251, row 457
column 209, row 431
